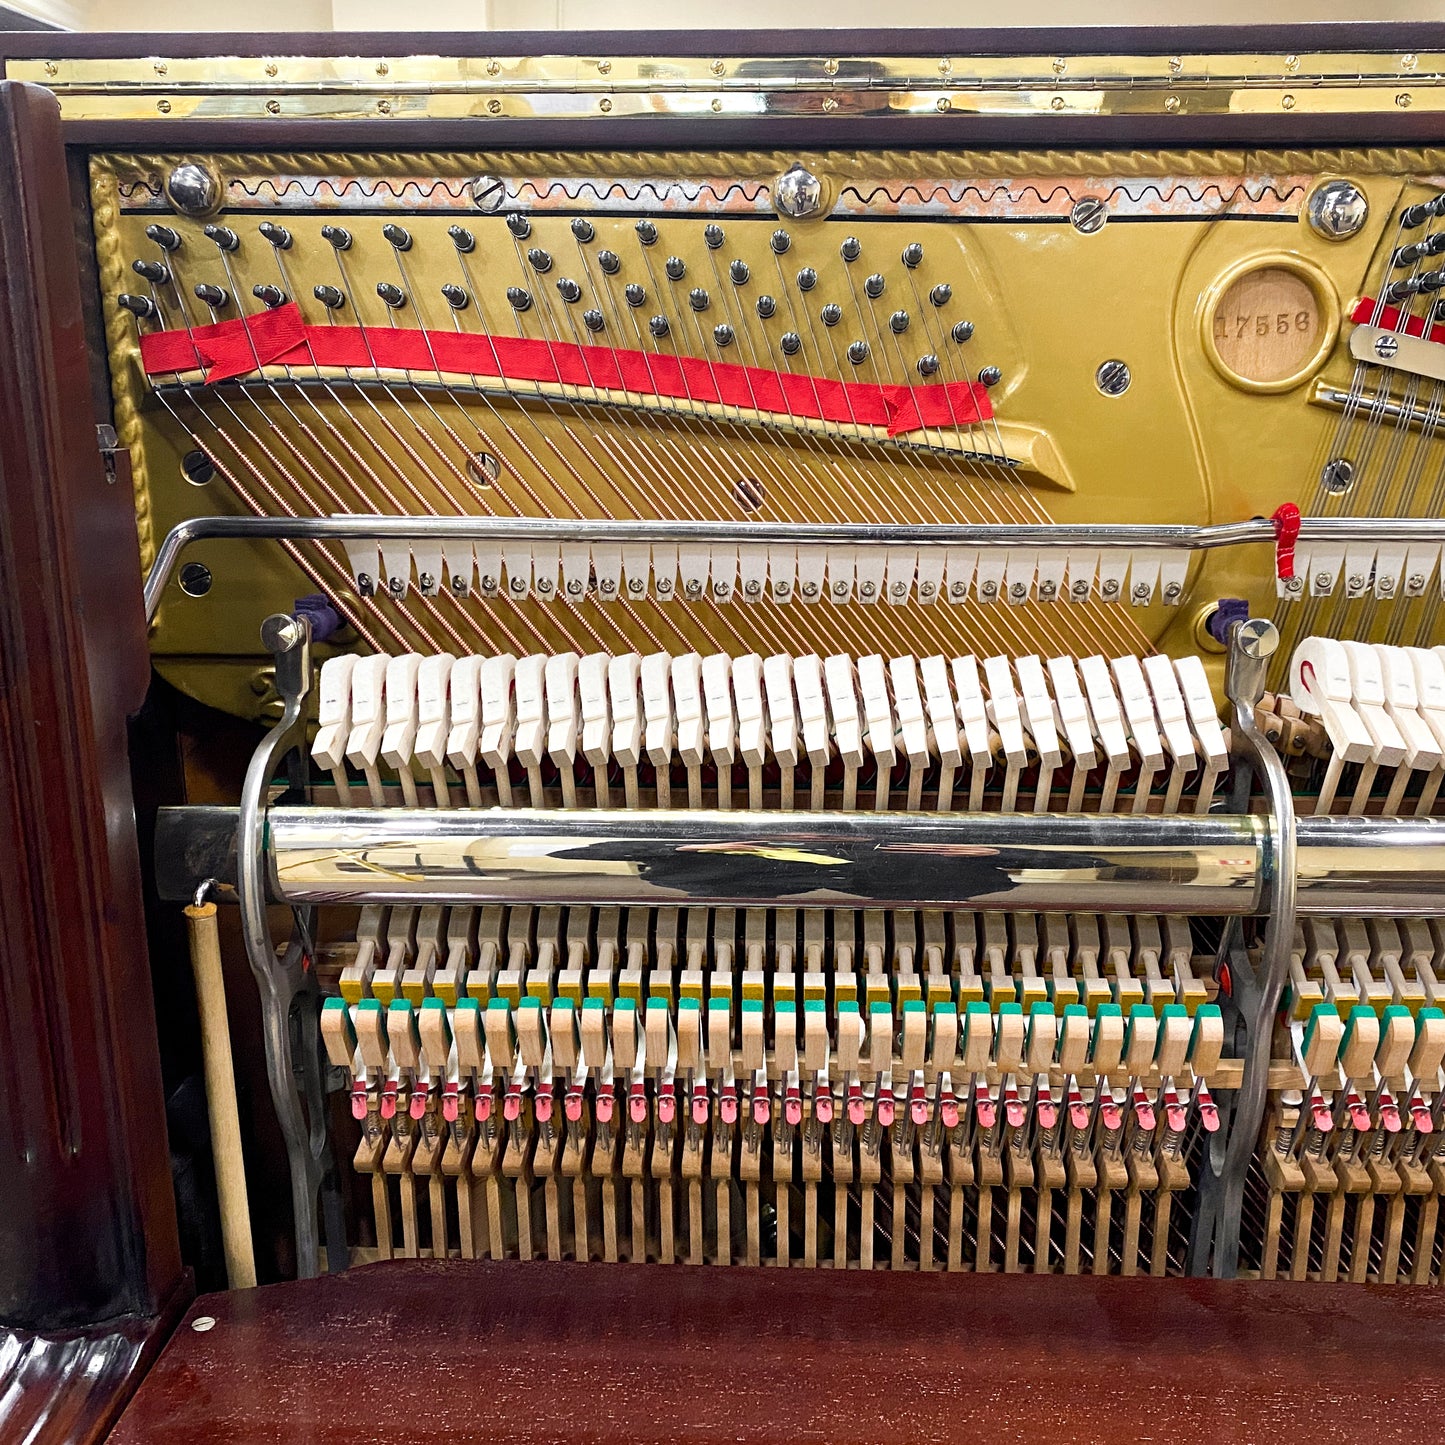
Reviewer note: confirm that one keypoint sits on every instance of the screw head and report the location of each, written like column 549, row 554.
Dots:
column 1257, row 637
column 636, row 586
column 193, row 189
column 1088, row 215
column 753, row 588
column 273, row 107
column 664, row 586
column 1337, row 210
column 988, row 591
column 866, row 590
column 958, row 590
column 544, row 586
column 693, row 588
column 1018, row 591
column 203, row 1324
column 488, row 193
column 1113, row 378
column 798, row 193
column 488, row 585
column 1079, row 587
column 575, row 587
column 1110, row 587
column 926, row 589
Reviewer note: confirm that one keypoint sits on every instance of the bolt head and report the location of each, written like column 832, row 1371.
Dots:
column 798, row 193
column 193, row 189
column 1337, row 210
column 1257, row 637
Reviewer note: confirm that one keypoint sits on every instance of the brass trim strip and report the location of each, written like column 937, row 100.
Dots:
column 560, row 87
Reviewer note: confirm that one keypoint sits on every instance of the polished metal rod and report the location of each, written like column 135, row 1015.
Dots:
column 543, row 530
column 1018, row 862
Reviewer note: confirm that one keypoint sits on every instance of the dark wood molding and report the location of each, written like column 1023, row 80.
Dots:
column 537, row 1352
column 88, row 1229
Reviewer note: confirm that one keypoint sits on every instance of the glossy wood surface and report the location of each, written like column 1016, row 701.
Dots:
column 87, row 1217
column 426, row 1352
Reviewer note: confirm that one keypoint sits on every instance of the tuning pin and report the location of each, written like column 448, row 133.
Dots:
column 807, row 279
column 269, row 296
column 569, row 290
column 646, row 233
column 1432, row 281
column 634, row 294
column 331, row 297
column 898, row 323
column 658, row 326
column 990, row 376
column 739, row 272
column 610, row 262
column 928, row 365
column 1407, row 255
column 278, row 236
column 780, row 241
column 540, row 260
column 698, row 299
column 213, row 296
column 712, row 234
column 912, row 255
column 858, row 352
column 1417, row 215
column 456, row 296
column 519, row 299
column 874, row 286
column 791, row 343
column 519, row 225
column 1402, row 290
column 1433, row 244
column 141, row 307
column 941, row 294
column 1437, row 206
column 583, row 229
column 592, row 319
column 224, row 237
column 152, row 271
column 851, row 249
column 962, row 331
column 723, row 335
column 831, row 314
column 339, row 237
column 462, row 239
column 164, row 237
column 394, row 296
column 675, row 267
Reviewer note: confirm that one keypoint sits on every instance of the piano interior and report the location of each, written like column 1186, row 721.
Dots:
column 791, row 700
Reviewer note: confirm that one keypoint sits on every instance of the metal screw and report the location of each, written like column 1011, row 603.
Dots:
column 161, row 67
column 494, row 106
column 518, row 585
column 1415, row 582
column 1141, row 592
column 1088, row 214
column 604, row 105
column 397, row 586
column 488, row 193
column 1322, row 581
column 925, row 589
column 944, row 66
column 1080, row 588
column 782, row 591
column 544, row 586
column 720, row 591
column 489, row 585
column 664, row 586
column 1111, row 587
column 1403, row 100
column 1113, row 378
column 717, row 67
column 604, row 67
column 382, row 68
column 1257, row 637
column 1287, row 102
column 1291, row 63
column 830, row 104
column 866, row 590
column 1387, row 586
column 427, row 583
column 1175, row 65
column 202, row 1324
column 164, row 106
column 459, row 584
column 365, row 587
column 1409, row 62
column 607, row 586
column 693, row 588
column 1295, row 584
column 1047, row 591
column 1171, row 104
column 636, row 586
column 958, row 590
column 51, row 68
column 273, row 107
column 840, row 589
column 830, row 67
column 384, row 106
column 899, row 589
column 943, row 103
column 1018, row 591
column 753, row 588
column 494, row 67
column 272, row 69
column 809, row 589
column 1172, row 591
column 574, row 587
column 989, row 590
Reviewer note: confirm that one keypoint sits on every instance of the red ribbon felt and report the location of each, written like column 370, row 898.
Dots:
column 1389, row 317
column 281, row 337
column 1286, row 533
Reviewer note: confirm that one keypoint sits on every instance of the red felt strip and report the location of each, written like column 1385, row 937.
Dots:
column 1389, row 318
column 232, row 348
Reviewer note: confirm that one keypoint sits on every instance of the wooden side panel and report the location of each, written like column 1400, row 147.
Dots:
column 87, row 1229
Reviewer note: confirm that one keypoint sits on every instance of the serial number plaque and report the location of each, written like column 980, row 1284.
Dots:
column 1266, row 325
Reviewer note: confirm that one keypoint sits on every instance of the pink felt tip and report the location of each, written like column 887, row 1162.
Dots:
column 823, row 1109
column 856, row 1112
column 606, row 1107
column 543, row 1107
column 885, row 1112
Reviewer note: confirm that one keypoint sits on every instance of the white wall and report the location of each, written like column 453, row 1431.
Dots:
column 280, row 15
